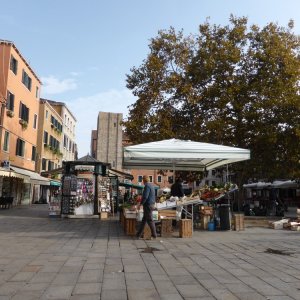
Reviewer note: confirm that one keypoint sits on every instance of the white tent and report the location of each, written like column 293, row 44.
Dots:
column 258, row 185
column 286, row 184
column 181, row 155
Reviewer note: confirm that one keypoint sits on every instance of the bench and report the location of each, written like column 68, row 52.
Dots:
column 6, row 202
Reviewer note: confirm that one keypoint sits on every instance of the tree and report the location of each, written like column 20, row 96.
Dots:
column 234, row 85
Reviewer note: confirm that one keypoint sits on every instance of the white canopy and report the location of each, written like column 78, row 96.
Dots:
column 258, row 185
column 181, row 155
column 286, row 184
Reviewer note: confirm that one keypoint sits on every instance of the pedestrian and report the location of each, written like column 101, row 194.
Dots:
column 148, row 202
column 177, row 188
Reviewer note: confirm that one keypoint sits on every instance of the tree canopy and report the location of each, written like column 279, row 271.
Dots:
column 236, row 85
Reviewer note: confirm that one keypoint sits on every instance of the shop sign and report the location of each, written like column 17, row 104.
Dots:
column 5, row 164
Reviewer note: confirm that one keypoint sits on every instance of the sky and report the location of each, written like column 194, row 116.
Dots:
column 82, row 50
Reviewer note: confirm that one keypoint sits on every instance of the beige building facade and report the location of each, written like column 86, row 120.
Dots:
column 49, row 155
column 68, row 146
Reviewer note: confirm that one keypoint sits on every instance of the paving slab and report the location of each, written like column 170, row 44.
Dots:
column 44, row 258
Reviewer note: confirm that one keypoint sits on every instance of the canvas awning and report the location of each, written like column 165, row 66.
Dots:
column 286, row 184
column 258, row 185
column 131, row 185
column 5, row 172
column 181, row 155
column 32, row 177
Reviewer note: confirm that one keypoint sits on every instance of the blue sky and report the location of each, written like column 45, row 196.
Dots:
column 82, row 50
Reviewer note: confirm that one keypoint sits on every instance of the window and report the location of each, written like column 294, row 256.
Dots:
column 46, row 114
column 20, row 149
column 213, row 172
column 70, row 145
column 26, row 80
column 6, row 141
column 13, row 65
column 24, row 112
column 150, row 178
column 140, row 178
column 159, row 178
column 10, row 103
column 33, row 153
column 66, row 141
column 37, row 92
column 50, row 165
column 44, row 164
column 45, row 137
column 170, row 179
column 34, row 121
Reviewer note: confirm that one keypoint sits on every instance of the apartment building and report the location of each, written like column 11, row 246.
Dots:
column 68, row 146
column 49, row 155
column 19, row 94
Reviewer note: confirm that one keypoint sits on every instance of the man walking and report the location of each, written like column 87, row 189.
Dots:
column 148, row 202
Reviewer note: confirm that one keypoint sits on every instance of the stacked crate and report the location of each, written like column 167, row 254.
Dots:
column 166, row 227
column 185, row 228
column 239, row 222
column 206, row 213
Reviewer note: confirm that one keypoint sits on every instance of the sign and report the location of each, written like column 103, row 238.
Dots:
column 6, row 164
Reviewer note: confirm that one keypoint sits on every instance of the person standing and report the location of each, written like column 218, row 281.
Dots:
column 177, row 188
column 148, row 202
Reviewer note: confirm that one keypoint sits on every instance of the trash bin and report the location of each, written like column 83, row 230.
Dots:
column 224, row 211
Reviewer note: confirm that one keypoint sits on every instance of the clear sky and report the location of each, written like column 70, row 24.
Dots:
column 82, row 50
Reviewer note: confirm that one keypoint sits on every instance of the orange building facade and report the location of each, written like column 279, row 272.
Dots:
column 19, row 91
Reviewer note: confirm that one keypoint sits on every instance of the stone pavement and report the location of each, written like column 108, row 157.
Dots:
column 54, row 258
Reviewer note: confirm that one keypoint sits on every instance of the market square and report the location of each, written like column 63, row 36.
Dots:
column 55, row 258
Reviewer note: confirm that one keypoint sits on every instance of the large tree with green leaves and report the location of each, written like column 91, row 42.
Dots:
column 236, row 85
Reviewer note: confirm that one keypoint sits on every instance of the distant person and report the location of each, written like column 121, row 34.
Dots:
column 177, row 188
column 148, row 202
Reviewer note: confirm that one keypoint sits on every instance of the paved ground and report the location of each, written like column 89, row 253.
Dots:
column 48, row 258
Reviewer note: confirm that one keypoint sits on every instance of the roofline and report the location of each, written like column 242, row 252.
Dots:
column 22, row 57
column 52, row 102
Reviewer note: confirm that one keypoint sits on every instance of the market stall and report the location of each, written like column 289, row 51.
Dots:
column 86, row 188
column 181, row 155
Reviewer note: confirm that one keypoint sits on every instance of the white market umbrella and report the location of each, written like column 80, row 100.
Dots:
column 181, row 155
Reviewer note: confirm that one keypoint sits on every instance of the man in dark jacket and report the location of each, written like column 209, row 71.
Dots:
column 148, row 202
column 177, row 188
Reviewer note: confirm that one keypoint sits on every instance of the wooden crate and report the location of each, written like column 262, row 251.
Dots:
column 103, row 215
column 129, row 227
column 167, row 213
column 166, row 227
column 204, row 221
column 185, row 228
column 206, row 210
column 147, row 232
column 239, row 222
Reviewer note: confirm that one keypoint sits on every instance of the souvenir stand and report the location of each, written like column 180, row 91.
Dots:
column 181, row 155
column 85, row 188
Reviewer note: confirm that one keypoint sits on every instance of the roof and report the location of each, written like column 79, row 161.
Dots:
column 181, row 155
column 56, row 103
column 22, row 57
column 88, row 158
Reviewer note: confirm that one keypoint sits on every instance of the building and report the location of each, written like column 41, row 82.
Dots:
column 68, row 146
column 49, row 155
column 109, row 139
column 20, row 93
column 94, row 143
